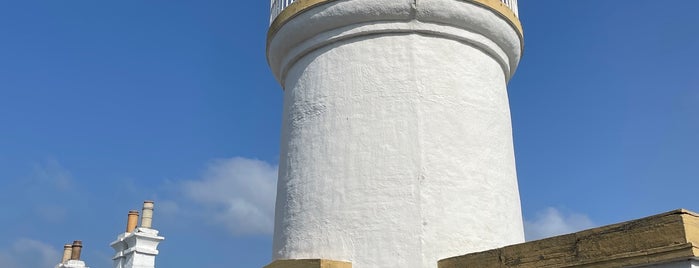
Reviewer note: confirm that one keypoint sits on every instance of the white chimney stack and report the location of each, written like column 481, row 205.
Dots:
column 137, row 248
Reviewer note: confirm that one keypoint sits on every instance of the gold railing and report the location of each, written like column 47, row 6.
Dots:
column 277, row 6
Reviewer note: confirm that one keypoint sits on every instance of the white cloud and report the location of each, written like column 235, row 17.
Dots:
column 52, row 173
column 551, row 222
column 168, row 207
column 8, row 261
column 28, row 253
column 237, row 194
column 52, row 213
column 54, row 188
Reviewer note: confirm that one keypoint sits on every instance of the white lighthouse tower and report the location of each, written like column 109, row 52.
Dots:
column 396, row 143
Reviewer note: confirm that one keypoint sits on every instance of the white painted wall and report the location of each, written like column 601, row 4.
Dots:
column 72, row 264
column 396, row 141
column 137, row 249
column 678, row 264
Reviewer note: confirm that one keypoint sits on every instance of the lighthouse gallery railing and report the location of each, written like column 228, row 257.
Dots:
column 278, row 5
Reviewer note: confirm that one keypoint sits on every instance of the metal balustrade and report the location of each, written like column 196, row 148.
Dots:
column 278, row 5
column 512, row 4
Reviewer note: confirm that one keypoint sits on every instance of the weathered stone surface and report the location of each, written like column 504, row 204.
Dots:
column 317, row 263
column 661, row 238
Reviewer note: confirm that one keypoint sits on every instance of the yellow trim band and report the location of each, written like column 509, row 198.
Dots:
column 504, row 11
column 300, row 6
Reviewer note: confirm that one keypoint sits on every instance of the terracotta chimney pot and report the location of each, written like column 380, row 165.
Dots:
column 132, row 221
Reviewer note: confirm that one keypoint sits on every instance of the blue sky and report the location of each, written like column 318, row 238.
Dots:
column 106, row 103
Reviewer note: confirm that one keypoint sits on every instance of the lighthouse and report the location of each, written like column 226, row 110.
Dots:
column 396, row 143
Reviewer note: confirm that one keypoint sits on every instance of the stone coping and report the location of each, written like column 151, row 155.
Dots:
column 309, row 263
column 661, row 238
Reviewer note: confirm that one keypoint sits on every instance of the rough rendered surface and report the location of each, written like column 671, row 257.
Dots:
column 396, row 142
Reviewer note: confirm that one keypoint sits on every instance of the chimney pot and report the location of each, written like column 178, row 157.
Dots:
column 67, row 252
column 132, row 221
column 76, row 250
column 147, row 219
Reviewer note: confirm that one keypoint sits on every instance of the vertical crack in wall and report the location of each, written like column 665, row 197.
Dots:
column 413, row 10
column 421, row 178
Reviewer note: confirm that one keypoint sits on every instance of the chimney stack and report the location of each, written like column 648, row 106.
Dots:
column 67, row 251
column 71, row 256
column 147, row 218
column 137, row 248
column 132, row 221
column 76, row 248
